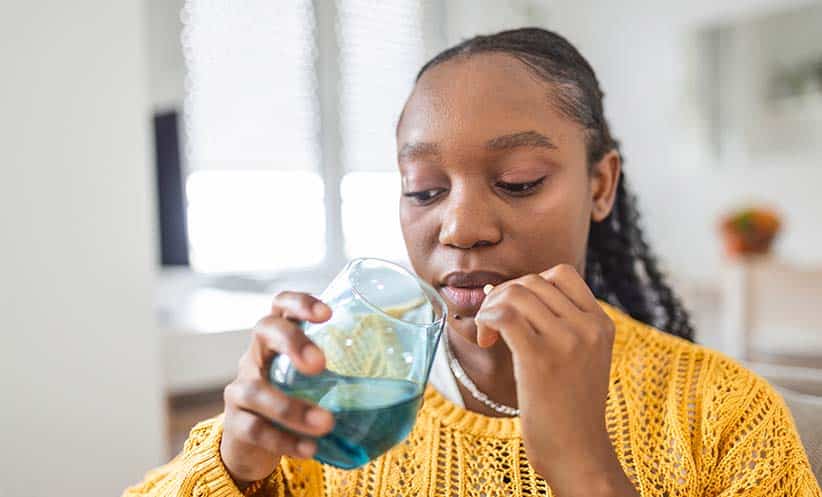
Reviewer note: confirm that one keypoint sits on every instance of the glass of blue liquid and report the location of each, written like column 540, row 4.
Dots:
column 379, row 346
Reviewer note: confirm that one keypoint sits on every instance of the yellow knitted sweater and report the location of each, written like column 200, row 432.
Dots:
column 683, row 420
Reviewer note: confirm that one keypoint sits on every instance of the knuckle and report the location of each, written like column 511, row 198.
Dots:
column 571, row 345
column 254, row 429
column 300, row 299
column 566, row 269
column 286, row 301
column 608, row 326
column 521, row 289
column 607, row 333
column 531, row 279
column 279, row 302
column 508, row 290
column 260, row 333
column 591, row 337
column 242, row 361
column 274, row 334
column 291, row 341
column 273, row 440
column 561, row 271
column 506, row 313
column 244, row 393
column 230, row 394
column 290, row 409
column 290, row 333
column 518, row 291
column 255, row 386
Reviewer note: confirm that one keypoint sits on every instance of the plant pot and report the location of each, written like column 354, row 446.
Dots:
column 741, row 244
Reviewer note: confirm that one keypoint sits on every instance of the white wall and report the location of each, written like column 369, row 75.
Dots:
column 82, row 403
column 165, row 58
column 639, row 50
column 467, row 18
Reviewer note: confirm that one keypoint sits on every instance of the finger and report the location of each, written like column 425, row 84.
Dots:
column 300, row 306
column 569, row 282
column 277, row 335
column 261, row 398
column 250, row 429
column 589, row 326
column 551, row 296
column 513, row 312
column 496, row 322
column 543, row 321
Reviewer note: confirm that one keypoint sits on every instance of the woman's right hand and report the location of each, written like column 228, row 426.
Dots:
column 252, row 446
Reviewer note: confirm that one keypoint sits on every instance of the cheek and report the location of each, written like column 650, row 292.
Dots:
column 420, row 235
column 555, row 227
column 409, row 228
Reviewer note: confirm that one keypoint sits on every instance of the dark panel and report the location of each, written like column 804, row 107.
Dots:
column 171, row 201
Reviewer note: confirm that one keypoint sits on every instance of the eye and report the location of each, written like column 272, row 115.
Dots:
column 520, row 189
column 424, row 196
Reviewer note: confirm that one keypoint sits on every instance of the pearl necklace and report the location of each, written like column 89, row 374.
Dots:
column 469, row 385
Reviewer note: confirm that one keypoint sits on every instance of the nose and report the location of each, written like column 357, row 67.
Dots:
column 469, row 220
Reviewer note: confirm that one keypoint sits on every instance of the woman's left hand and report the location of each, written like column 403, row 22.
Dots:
column 560, row 340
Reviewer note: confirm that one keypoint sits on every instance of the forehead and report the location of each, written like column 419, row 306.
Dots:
column 478, row 97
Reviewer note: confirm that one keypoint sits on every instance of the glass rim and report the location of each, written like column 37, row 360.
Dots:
column 426, row 288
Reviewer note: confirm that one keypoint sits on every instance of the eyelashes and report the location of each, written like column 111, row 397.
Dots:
column 520, row 188
column 425, row 197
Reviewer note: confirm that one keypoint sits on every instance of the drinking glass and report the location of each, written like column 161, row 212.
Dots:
column 379, row 345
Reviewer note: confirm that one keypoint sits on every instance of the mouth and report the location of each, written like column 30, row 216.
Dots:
column 464, row 290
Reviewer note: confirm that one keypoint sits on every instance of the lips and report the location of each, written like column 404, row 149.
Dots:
column 463, row 290
column 466, row 300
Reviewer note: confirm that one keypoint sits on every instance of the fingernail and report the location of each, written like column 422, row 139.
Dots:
column 487, row 288
column 306, row 447
column 312, row 354
column 319, row 418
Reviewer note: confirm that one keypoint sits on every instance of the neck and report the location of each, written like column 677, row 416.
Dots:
column 491, row 370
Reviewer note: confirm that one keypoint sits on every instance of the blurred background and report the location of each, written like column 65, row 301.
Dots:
column 168, row 166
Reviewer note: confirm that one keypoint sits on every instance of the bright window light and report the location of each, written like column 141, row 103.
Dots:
column 370, row 215
column 244, row 221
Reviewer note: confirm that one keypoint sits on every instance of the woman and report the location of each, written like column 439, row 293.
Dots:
column 510, row 177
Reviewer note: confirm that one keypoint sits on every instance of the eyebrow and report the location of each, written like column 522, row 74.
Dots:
column 418, row 149
column 522, row 139
column 503, row 142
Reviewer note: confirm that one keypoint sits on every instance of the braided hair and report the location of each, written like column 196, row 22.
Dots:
column 620, row 267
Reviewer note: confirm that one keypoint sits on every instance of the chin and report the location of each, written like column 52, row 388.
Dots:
column 464, row 327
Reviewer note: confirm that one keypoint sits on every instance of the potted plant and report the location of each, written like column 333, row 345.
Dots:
column 749, row 231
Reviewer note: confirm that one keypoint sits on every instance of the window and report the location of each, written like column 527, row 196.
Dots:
column 370, row 231
column 246, row 221
column 381, row 48
column 257, row 192
column 254, row 190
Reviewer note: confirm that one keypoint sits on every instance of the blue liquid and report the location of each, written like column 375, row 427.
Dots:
column 371, row 414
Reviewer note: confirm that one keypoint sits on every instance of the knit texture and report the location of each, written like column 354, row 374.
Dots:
column 683, row 420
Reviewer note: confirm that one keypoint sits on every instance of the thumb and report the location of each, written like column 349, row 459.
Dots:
column 486, row 336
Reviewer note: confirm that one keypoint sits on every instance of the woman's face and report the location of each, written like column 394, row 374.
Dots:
column 495, row 181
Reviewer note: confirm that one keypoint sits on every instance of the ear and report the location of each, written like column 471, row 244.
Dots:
column 604, row 181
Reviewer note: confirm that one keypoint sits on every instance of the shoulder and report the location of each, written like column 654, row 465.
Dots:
column 653, row 357
column 690, row 406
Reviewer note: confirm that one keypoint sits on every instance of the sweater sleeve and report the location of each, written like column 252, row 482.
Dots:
column 198, row 471
column 757, row 451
